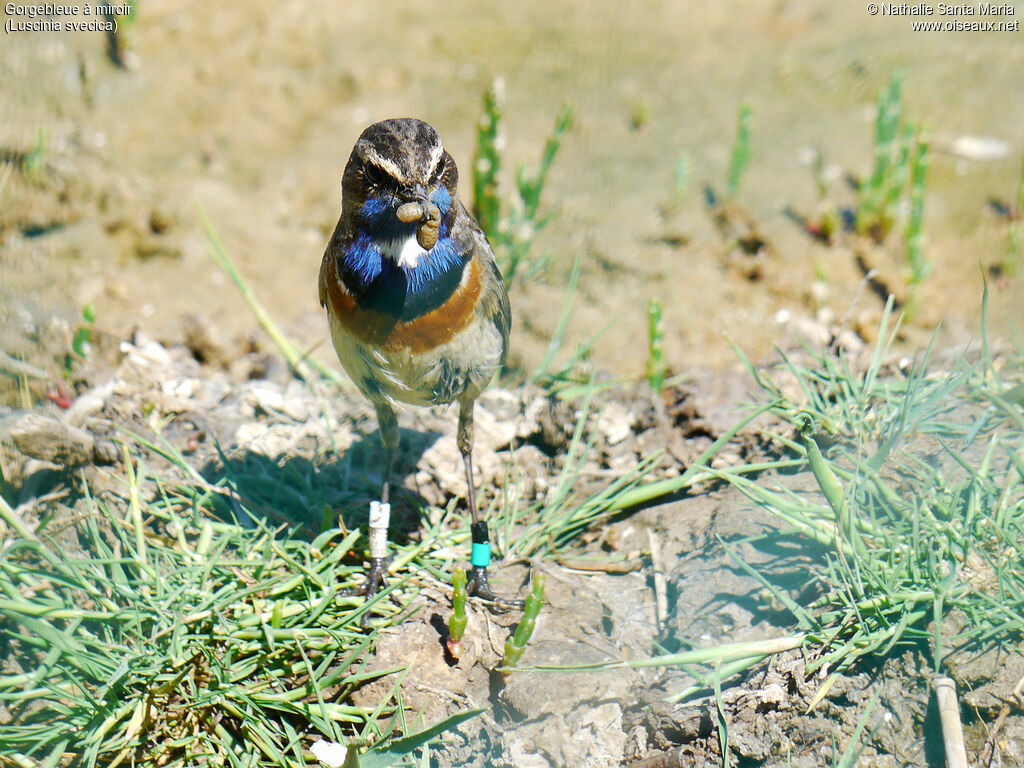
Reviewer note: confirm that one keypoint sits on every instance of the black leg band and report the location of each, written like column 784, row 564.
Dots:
column 480, row 557
column 480, row 533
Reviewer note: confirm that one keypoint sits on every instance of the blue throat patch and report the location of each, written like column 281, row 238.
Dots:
column 378, row 283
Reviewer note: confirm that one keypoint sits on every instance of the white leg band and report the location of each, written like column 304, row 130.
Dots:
column 380, row 518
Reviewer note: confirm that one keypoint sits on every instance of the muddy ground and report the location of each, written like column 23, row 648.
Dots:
column 248, row 116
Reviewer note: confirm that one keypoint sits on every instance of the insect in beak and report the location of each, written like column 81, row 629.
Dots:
column 429, row 217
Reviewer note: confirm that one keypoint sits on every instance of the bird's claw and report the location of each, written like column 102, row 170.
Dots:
column 376, row 577
column 479, row 586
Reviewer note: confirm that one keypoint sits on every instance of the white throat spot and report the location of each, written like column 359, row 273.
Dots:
column 405, row 253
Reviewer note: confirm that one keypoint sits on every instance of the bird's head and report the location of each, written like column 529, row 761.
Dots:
column 399, row 180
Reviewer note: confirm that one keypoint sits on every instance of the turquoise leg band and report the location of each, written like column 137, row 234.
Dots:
column 480, row 557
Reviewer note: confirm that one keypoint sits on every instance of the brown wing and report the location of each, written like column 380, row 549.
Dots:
column 328, row 265
column 494, row 303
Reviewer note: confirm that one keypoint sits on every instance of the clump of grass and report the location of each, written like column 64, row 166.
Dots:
column 487, row 163
column 657, row 368
column 872, row 216
column 512, row 228
column 897, row 178
column 174, row 636
column 919, row 267
column 739, row 158
column 880, row 194
column 82, row 340
column 515, row 646
column 919, row 514
column 924, row 500
column 150, row 649
column 458, row 620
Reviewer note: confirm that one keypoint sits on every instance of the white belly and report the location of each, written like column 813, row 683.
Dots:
column 459, row 369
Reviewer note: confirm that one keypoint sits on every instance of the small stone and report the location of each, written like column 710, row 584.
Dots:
column 330, row 753
column 43, row 437
column 522, row 752
column 726, row 459
column 106, row 452
column 264, row 396
column 615, row 422
column 502, row 403
column 89, row 403
column 184, row 388
column 297, row 403
column 598, row 735
column 249, row 433
column 492, row 431
column 529, row 423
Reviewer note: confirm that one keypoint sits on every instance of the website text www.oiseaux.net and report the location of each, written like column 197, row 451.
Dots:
column 964, row 17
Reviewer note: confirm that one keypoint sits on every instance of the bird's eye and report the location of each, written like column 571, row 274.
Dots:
column 376, row 176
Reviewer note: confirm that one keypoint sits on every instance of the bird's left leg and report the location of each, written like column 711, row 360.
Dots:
column 480, row 556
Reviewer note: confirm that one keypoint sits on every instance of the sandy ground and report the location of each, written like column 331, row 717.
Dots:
column 250, row 115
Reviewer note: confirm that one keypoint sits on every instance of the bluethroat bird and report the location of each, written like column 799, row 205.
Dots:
column 417, row 307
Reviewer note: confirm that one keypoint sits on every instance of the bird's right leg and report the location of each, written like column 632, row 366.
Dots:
column 380, row 511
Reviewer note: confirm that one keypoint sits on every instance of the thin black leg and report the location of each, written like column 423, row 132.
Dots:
column 388, row 425
column 380, row 511
column 480, row 556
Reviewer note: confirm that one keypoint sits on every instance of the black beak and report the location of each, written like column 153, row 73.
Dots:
column 417, row 194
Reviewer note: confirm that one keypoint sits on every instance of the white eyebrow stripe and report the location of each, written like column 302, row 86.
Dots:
column 385, row 164
column 436, row 153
